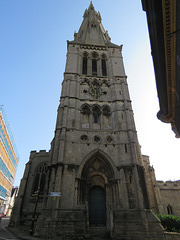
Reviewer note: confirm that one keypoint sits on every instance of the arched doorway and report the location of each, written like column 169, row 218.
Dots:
column 97, row 207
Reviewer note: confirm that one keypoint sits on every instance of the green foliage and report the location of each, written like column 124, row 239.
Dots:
column 169, row 222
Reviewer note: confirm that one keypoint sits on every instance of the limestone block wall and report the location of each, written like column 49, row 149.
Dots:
column 25, row 204
column 153, row 190
column 163, row 196
column 170, row 193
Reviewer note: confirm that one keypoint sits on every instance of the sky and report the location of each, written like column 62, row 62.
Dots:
column 33, row 46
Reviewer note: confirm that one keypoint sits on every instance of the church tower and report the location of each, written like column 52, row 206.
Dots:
column 93, row 182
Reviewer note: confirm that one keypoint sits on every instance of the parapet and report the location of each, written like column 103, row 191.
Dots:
column 41, row 152
column 146, row 159
column 169, row 185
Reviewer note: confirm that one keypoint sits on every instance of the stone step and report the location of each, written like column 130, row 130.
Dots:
column 97, row 233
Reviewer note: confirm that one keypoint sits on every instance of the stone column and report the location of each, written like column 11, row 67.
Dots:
column 89, row 66
column 139, row 196
column 61, row 145
column 125, row 201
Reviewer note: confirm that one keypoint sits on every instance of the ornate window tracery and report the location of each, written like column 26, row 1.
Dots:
column 40, row 179
column 84, row 138
column 95, row 62
column 96, row 139
column 97, row 114
column 109, row 139
column 106, row 111
column 96, row 172
column 86, row 109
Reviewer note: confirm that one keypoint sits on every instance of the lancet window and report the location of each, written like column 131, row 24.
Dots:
column 93, row 64
column 96, row 114
column 84, row 65
column 94, row 67
column 169, row 209
column 103, row 65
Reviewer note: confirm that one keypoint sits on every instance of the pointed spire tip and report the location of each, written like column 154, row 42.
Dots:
column 91, row 5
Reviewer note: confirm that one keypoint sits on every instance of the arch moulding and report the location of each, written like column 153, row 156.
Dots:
column 97, row 153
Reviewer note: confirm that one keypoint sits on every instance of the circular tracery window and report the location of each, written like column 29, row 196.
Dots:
column 84, row 138
column 109, row 139
column 97, row 139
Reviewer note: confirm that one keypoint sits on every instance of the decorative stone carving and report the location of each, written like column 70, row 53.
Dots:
column 84, row 138
column 97, row 139
column 109, row 139
column 106, row 110
column 86, row 109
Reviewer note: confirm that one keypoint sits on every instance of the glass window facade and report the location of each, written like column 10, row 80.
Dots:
column 8, row 159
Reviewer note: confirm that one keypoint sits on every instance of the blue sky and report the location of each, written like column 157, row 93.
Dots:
column 32, row 62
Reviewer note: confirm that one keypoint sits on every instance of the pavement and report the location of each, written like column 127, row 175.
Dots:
column 13, row 232
column 20, row 233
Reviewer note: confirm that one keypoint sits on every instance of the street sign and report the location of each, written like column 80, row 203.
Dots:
column 55, row 194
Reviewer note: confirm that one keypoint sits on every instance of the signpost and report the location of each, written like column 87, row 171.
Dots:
column 55, row 194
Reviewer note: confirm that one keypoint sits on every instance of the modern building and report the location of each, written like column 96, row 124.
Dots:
column 10, row 203
column 94, row 183
column 163, row 17
column 8, row 161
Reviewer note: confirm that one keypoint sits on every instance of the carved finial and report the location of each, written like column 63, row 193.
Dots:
column 107, row 36
column 85, row 13
column 99, row 16
column 91, row 7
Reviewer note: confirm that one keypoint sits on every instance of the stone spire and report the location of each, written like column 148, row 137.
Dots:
column 92, row 30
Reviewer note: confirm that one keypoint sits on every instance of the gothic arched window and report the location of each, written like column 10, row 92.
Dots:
column 125, row 148
column 94, row 67
column 96, row 114
column 169, row 210
column 40, row 179
column 96, row 117
column 94, row 63
column 84, row 64
column 106, row 111
column 103, row 65
column 85, row 109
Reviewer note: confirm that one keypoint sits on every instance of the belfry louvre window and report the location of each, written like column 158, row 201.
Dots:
column 84, row 67
column 94, row 67
column 96, row 118
column 96, row 114
column 103, row 65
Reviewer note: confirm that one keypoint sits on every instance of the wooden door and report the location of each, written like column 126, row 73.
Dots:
column 97, row 207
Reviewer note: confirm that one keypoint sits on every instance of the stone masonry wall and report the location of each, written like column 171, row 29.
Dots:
column 170, row 193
